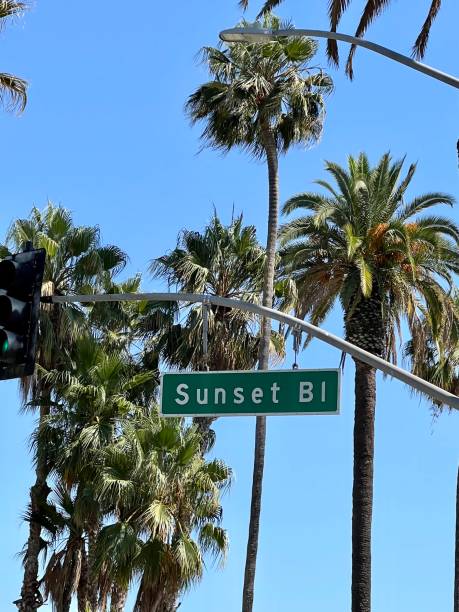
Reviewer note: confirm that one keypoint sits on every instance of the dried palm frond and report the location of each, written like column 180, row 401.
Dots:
column 13, row 92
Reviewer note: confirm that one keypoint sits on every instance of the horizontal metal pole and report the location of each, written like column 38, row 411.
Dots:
column 260, row 34
column 376, row 362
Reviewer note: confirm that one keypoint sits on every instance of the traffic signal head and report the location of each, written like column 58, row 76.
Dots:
column 21, row 277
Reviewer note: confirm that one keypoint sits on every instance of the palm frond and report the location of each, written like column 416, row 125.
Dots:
column 13, row 92
column 420, row 45
column 371, row 10
column 422, row 202
column 11, row 8
column 336, row 9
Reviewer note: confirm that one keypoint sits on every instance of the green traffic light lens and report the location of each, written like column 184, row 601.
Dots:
column 5, row 346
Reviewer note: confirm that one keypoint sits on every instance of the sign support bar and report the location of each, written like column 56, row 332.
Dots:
column 417, row 383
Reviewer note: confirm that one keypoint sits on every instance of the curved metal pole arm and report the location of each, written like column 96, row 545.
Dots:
column 376, row 362
column 260, row 34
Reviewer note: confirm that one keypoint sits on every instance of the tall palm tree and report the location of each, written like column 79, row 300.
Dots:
column 361, row 244
column 263, row 98
column 76, row 262
column 13, row 90
column 371, row 10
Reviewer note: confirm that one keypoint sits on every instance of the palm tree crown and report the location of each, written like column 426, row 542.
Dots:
column 362, row 242
column 226, row 261
column 76, row 262
column 259, row 87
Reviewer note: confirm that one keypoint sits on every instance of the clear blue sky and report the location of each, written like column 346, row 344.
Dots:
column 104, row 134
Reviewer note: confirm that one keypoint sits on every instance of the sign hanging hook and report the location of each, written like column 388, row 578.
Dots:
column 296, row 332
column 205, row 333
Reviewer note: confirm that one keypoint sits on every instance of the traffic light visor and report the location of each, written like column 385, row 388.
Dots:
column 7, row 273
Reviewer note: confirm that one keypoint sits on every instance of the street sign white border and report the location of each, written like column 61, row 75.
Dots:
column 252, row 414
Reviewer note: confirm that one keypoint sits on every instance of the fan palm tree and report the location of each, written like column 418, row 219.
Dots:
column 371, row 10
column 76, row 263
column 93, row 397
column 437, row 361
column 264, row 98
column 61, row 521
column 363, row 245
column 225, row 261
column 13, row 90
column 166, row 504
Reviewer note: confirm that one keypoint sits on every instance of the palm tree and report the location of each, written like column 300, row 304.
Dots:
column 225, row 261
column 13, row 90
column 76, row 263
column 166, row 505
column 61, row 521
column 437, row 360
column 362, row 244
column 371, row 10
column 92, row 397
column 264, row 98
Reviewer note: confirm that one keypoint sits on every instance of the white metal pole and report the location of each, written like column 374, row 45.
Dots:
column 376, row 362
column 260, row 34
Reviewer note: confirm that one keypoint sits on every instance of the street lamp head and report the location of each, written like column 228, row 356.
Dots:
column 258, row 34
column 247, row 34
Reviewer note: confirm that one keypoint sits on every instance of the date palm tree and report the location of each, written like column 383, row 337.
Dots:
column 76, row 262
column 362, row 244
column 264, row 98
column 371, row 11
column 13, row 90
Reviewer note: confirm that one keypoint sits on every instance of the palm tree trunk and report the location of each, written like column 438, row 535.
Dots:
column 118, row 599
column 362, row 492
column 456, row 561
column 93, row 531
column 73, row 563
column 82, row 592
column 260, row 430
column 31, row 598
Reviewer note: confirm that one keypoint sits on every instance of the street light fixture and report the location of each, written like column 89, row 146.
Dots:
column 254, row 34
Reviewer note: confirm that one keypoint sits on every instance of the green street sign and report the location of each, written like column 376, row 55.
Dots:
column 250, row 393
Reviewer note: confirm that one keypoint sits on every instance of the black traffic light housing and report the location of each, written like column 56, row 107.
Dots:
column 21, row 276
